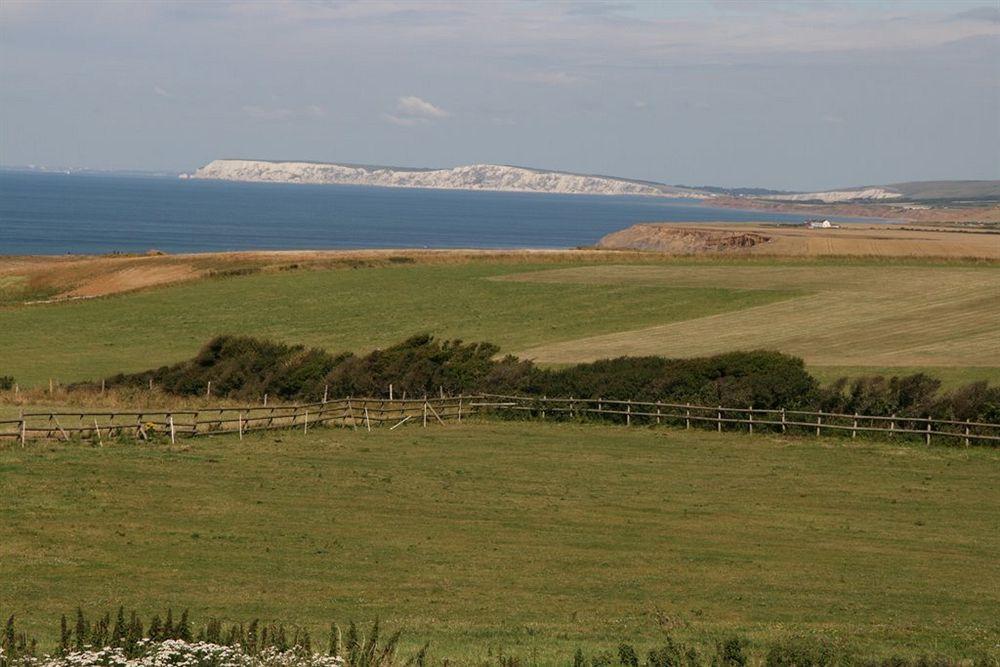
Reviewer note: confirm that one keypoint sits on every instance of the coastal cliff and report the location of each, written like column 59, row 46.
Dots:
column 471, row 177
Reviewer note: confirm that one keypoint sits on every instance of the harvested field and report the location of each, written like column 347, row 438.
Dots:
column 853, row 239
column 847, row 316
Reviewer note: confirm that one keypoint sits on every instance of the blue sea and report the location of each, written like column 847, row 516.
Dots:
column 93, row 214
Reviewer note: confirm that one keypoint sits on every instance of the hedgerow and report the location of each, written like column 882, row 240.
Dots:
column 240, row 367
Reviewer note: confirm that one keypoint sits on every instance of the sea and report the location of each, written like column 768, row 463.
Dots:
column 57, row 214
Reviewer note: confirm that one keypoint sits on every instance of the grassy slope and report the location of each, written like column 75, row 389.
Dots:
column 536, row 538
column 845, row 317
column 340, row 309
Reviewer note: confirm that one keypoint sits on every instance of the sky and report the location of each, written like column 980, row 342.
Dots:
column 786, row 95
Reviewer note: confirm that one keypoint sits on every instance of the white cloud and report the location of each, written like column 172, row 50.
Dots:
column 412, row 110
column 161, row 92
column 401, row 121
column 412, row 105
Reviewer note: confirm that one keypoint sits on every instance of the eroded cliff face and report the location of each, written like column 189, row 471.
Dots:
column 472, row 177
column 680, row 240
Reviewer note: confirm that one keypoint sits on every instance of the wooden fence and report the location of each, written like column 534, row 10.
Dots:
column 748, row 418
column 375, row 412
column 348, row 412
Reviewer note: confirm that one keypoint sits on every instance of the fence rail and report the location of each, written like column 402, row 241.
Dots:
column 145, row 424
column 375, row 412
column 775, row 419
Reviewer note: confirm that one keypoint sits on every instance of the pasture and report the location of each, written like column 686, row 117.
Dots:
column 524, row 538
column 842, row 315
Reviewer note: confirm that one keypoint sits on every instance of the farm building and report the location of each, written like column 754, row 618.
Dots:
column 820, row 224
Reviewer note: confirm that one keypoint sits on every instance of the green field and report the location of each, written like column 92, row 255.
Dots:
column 852, row 314
column 529, row 538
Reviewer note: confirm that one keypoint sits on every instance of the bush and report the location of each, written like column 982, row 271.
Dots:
column 800, row 653
column 241, row 367
column 6, row 382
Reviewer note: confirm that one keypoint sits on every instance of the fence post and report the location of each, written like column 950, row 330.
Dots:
column 719, row 420
column 928, row 437
column 208, row 389
column 687, row 417
column 544, row 399
column 459, row 408
column 628, row 413
column 326, row 391
column 265, row 400
column 239, row 423
column 750, row 421
column 390, row 391
column 100, row 440
column 425, row 412
column 966, row 433
column 854, row 429
column 305, row 423
column 784, row 428
column 24, row 430
column 657, row 413
column 819, row 422
column 892, row 425
column 173, row 432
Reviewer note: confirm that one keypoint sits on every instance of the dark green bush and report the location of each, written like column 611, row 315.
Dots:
column 241, row 367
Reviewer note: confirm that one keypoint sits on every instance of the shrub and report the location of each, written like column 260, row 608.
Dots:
column 241, row 367
column 800, row 653
column 6, row 382
column 730, row 653
column 627, row 655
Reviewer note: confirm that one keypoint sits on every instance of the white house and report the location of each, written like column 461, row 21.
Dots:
column 820, row 224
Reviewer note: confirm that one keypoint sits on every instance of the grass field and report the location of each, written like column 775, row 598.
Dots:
column 338, row 309
column 850, row 314
column 528, row 538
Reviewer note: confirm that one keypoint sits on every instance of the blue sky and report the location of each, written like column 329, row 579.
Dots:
column 775, row 94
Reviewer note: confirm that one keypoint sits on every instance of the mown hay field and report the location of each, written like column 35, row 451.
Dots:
column 528, row 538
column 861, row 315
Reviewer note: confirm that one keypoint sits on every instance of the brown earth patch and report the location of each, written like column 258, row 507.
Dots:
column 681, row 240
column 851, row 239
column 132, row 278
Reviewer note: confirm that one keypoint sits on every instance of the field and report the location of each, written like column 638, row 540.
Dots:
column 847, row 239
column 527, row 539
column 530, row 539
column 842, row 315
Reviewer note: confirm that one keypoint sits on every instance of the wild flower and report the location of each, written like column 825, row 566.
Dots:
column 177, row 653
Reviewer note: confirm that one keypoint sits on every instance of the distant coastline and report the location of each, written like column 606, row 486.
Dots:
column 489, row 177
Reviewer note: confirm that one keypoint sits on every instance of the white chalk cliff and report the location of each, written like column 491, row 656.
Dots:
column 834, row 196
column 471, row 177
